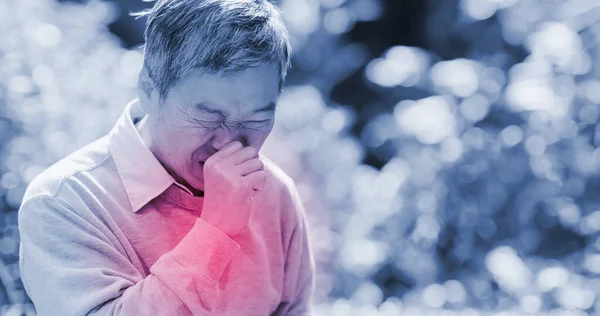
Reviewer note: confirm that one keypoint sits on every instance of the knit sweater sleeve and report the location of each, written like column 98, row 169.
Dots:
column 71, row 264
column 299, row 281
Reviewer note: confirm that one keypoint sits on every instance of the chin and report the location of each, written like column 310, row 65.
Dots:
column 194, row 185
column 197, row 182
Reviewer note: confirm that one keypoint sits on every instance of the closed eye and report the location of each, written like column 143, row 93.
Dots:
column 208, row 124
column 256, row 124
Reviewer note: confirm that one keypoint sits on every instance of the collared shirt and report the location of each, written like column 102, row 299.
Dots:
column 108, row 230
column 144, row 178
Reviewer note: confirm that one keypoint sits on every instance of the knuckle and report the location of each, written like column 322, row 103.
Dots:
column 218, row 167
column 211, row 160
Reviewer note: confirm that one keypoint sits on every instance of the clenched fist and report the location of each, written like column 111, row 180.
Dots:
column 231, row 177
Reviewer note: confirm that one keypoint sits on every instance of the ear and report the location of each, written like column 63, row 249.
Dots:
column 147, row 93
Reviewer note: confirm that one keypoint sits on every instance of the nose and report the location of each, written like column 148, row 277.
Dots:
column 225, row 135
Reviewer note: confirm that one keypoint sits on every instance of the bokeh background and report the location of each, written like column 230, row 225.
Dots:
column 446, row 150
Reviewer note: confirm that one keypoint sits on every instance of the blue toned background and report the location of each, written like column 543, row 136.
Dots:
column 445, row 150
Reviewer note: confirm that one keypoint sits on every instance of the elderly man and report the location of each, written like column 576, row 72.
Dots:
column 175, row 212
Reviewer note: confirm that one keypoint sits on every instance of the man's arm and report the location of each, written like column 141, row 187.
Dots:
column 299, row 281
column 71, row 265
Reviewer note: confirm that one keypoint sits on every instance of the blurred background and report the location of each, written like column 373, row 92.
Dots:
column 446, row 150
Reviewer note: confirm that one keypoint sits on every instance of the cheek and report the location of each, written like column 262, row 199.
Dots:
column 182, row 143
column 257, row 137
column 198, row 145
column 264, row 132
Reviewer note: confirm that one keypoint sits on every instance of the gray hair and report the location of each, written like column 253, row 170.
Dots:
column 216, row 36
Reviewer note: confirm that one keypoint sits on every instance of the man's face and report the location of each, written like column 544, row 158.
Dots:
column 205, row 112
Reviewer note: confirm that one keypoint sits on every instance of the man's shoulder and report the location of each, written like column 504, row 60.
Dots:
column 276, row 177
column 50, row 181
column 282, row 188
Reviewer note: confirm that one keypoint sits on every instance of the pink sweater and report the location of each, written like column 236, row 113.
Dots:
column 89, row 246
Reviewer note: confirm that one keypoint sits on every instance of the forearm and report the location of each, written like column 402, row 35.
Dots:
column 299, row 283
column 70, row 266
column 181, row 281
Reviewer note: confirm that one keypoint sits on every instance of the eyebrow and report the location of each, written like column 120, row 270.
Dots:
column 206, row 107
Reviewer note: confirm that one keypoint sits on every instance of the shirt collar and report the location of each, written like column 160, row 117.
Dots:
column 142, row 175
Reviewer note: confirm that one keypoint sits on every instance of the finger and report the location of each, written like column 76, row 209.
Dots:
column 242, row 155
column 250, row 166
column 227, row 150
column 256, row 180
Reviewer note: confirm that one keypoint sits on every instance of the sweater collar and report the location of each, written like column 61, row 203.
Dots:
column 142, row 175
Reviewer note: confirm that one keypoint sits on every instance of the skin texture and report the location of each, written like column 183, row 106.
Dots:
column 207, row 134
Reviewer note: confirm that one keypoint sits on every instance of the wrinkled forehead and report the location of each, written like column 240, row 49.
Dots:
column 228, row 110
column 254, row 90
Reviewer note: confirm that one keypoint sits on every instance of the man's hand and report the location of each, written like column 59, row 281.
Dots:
column 231, row 177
